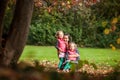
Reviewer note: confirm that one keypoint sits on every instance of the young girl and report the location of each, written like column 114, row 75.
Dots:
column 61, row 48
column 67, row 39
column 72, row 56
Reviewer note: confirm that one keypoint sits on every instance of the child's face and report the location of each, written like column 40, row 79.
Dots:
column 72, row 46
column 60, row 35
column 66, row 38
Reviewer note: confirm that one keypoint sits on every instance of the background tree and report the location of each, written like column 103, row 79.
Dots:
column 3, row 5
column 18, row 31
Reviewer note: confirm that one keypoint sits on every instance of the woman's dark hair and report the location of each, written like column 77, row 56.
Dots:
column 70, row 38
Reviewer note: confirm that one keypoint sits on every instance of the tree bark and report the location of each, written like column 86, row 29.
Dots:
column 19, row 29
column 3, row 5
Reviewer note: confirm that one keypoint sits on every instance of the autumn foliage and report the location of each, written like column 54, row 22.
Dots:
column 91, row 23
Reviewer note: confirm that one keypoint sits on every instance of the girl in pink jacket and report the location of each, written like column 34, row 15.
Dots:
column 72, row 56
column 61, row 48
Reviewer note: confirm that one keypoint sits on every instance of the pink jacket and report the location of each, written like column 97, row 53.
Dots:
column 72, row 53
column 61, row 45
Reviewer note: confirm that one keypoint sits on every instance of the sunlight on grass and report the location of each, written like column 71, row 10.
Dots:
column 39, row 53
column 93, row 55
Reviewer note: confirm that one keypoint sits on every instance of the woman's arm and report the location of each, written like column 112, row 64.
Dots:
column 73, row 55
column 78, row 58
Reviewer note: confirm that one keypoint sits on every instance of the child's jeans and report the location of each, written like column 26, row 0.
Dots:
column 61, row 62
column 62, row 59
column 68, row 64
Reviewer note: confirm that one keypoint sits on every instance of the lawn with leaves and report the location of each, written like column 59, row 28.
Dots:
column 92, row 55
column 40, row 63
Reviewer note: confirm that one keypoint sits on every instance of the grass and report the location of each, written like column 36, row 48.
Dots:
column 92, row 55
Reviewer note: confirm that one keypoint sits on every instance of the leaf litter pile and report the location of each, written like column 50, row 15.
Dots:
column 46, row 70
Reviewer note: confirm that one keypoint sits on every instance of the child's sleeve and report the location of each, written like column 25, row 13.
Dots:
column 78, row 58
column 56, row 46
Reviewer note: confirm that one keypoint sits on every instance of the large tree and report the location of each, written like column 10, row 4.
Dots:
column 18, row 31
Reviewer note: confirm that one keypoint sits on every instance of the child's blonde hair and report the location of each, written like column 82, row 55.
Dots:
column 57, row 33
column 75, row 45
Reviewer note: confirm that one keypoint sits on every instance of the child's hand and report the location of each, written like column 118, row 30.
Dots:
column 60, row 50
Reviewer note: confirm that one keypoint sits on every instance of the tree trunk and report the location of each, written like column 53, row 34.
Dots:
column 18, row 31
column 3, row 5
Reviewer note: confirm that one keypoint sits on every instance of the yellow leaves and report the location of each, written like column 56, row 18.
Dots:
column 111, row 29
column 68, row 2
column 113, row 47
column 114, row 20
column 110, row 26
column 106, row 31
column 118, row 41
column 104, row 23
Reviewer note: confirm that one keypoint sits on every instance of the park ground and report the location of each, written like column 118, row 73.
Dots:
column 93, row 55
column 98, row 62
column 40, row 63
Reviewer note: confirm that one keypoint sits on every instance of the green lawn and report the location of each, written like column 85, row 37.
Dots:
column 98, row 56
